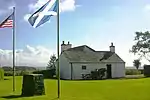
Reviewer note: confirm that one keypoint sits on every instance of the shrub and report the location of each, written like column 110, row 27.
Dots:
column 132, row 72
column 141, row 70
column 8, row 74
column 1, row 74
column 98, row 73
column 17, row 73
column 46, row 73
column 23, row 73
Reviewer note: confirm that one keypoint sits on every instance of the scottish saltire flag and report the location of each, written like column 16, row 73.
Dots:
column 8, row 22
column 43, row 14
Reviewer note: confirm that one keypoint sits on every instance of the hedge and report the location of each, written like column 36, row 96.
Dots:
column 1, row 74
column 133, row 72
column 46, row 73
column 17, row 73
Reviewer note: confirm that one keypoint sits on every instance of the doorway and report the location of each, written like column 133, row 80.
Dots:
column 109, row 74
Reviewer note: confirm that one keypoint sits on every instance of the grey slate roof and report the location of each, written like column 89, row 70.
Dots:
column 87, row 54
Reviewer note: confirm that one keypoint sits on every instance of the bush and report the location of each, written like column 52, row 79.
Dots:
column 21, row 73
column 8, row 74
column 132, row 72
column 142, row 71
column 1, row 74
column 17, row 73
column 98, row 73
column 46, row 73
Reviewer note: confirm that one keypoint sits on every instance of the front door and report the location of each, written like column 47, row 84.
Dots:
column 109, row 76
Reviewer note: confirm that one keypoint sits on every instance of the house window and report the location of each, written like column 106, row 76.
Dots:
column 84, row 67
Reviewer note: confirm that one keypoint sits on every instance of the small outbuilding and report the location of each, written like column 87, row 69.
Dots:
column 147, row 70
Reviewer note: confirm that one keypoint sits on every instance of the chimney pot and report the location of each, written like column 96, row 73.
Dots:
column 63, row 42
column 112, row 47
column 65, row 46
column 111, row 43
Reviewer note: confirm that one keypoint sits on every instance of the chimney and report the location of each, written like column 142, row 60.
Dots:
column 63, row 42
column 65, row 46
column 112, row 48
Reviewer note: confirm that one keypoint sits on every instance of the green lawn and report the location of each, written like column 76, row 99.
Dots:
column 125, row 89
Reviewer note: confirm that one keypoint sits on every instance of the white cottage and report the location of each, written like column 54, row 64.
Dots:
column 82, row 60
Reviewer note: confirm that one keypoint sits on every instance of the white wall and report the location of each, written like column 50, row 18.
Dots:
column 65, row 69
column 114, row 58
column 118, row 69
column 77, row 69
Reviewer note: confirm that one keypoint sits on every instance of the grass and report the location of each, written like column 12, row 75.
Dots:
column 124, row 89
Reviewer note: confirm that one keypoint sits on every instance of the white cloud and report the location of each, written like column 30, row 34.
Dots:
column 36, row 5
column 26, row 17
column 68, row 5
column 65, row 5
column 147, row 8
column 30, row 56
column 146, row 11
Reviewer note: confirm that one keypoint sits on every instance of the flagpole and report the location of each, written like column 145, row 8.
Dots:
column 13, row 49
column 58, row 67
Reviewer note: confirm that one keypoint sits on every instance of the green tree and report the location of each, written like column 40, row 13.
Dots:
column 142, row 45
column 137, row 63
column 51, row 63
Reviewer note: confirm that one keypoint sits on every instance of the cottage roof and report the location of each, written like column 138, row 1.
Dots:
column 86, row 54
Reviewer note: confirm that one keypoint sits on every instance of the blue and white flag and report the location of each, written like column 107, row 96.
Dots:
column 43, row 14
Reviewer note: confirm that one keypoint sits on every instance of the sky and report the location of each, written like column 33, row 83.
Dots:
column 95, row 23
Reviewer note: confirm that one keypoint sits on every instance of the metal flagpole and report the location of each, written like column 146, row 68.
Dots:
column 13, row 48
column 58, row 67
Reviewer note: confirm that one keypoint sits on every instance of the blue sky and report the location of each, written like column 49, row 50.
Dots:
column 95, row 23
